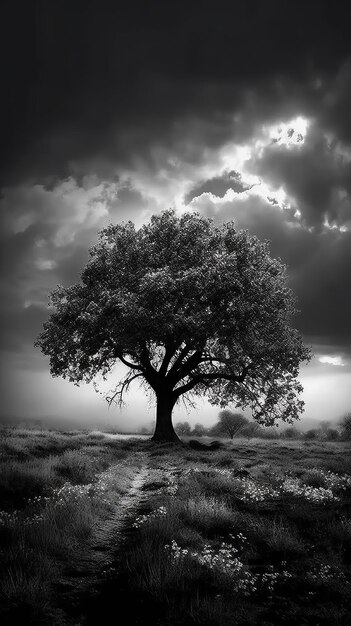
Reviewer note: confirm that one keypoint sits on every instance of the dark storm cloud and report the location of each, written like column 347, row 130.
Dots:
column 45, row 236
column 22, row 324
column 322, row 285
column 335, row 115
column 24, row 290
column 141, row 94
column 44, row 240
column 127, row 204
column 90, row 84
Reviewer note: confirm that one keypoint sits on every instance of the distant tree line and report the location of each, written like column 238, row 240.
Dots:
column 232, row 424
column 341, row 431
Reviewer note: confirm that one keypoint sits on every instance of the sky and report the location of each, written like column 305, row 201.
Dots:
column 116, row 111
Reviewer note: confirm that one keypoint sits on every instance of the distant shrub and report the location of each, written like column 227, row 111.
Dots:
column 311, row 434
column 250, row 430
column 291, row 433
column 199, row 430
column 346, row 427
column 146, row 430
column 268, row 433
column 183, row 429
column 332, row 434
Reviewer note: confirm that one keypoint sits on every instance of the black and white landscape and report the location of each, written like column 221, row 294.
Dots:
column 175, row 419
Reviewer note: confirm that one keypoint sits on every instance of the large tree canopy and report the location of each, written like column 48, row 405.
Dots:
column 189, row 308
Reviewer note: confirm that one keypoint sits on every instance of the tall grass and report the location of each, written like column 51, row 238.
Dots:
column 217, row 540
column 52, row 505
column 36, row 553
column 294, row 546
column 22, row 480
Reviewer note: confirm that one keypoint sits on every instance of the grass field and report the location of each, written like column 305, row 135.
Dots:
column 254, row 532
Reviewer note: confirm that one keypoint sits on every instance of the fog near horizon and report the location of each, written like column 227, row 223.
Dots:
column 326, row 394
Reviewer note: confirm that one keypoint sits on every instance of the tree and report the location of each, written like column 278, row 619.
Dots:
column 331, row 434
column 231, row 423
column 346, row 426
column 311, row 434
column 291, row 433
column 190, row 309
column 216, row 430
column 199, row 430
column 145, row 430
column 324, row 426
column 269, row 433
column 250, row 430
column 183, row 429
column 326, row 432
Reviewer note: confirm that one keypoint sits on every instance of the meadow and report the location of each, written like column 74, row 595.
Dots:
column 239, row 532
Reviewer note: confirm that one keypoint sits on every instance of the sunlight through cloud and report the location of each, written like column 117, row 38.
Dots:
column 331, row 360
column 291, row 133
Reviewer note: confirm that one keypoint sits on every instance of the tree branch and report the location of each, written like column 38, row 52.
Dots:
column 185, row 388
column 206, row 378
column 237, row 378
column 212, row 359
column 183, row 353
column 133, row 366
column 151, row 375
column 121, row 388
column 170, row 350
column 186, row 367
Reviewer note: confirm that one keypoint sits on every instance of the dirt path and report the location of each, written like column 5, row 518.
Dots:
column 93, row 583
column 97, row 561
column 114, row 602
column 107, row 537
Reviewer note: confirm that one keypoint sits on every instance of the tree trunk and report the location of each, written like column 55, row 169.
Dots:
column 164, row 430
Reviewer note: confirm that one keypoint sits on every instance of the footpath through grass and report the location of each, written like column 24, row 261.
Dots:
column 251, row 533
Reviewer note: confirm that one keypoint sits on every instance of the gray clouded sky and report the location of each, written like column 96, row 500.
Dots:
column 238, row 110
